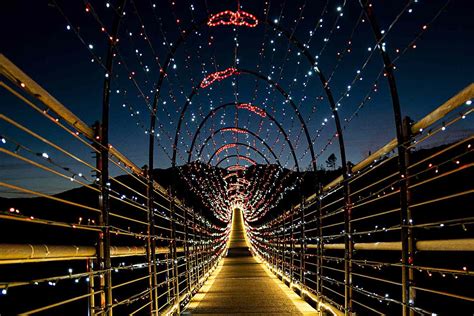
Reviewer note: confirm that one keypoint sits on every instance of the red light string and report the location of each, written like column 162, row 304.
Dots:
column 228, row 17
column 218, row 75
column 225, row 147
column 236, row 168
column 252, row 108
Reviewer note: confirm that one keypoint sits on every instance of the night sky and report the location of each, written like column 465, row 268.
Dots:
column 36, row 36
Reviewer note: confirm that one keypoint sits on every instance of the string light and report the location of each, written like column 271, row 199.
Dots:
column 252, row 108
column 238, row 18
column 218, row 76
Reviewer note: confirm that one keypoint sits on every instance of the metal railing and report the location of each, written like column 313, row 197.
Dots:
column 360, row 254
column 58, row 254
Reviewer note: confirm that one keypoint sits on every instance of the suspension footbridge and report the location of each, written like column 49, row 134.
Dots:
column 237, row 158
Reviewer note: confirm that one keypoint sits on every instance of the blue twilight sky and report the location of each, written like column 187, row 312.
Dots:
column 38, row 36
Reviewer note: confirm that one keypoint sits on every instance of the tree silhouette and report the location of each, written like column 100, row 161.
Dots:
column 331, row 162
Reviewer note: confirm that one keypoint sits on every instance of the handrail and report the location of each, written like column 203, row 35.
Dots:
column 29, row 253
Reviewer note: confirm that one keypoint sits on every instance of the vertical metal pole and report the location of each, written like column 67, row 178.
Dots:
column 271, row 240
column 208, row 253
column 90, row 287
column 200, row 253
column 408, row 230
column 100, row 244
column 168, row 286
column 169, row 256
column 105, row 263
column 204, row 246
column 173, row 250
column 191, row 237
column 186, row 252
column 292, row 246
column 349, row 249
column 151, row 239
column 279, row 243
column 104, row 236
column 302, row 244
column 277, row 240
column 272, row 250
column 275, row 247
column 195, row 252
column 319, row 280
column 283, row 254
column 407, row 257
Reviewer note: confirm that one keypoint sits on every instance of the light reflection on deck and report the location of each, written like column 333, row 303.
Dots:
column 242, row 285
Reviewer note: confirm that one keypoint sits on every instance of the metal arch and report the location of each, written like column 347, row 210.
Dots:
column 261, row 77
column 235, row 156
column 326, row 87
column 407, row 252
column 345, row 168
column 244, row 145
column 244, row 130
column 292, row 39
column 222, row 106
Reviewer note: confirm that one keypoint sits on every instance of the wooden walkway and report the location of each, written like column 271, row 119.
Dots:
column 241, row 285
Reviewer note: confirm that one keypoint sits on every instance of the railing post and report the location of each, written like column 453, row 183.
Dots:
column 208, row 264
column 90, row 287
column 283, row 254
column 272, row 244
column 191, row 253
column 173, row 252
column 151, row 240
column 169, row 256
column 168, row 286
column 275, row 244
column 100, row 246
column 103, row 246
column 406, row 225
column 348, row 242
column 200, row 254
column 195, row 251
column 280, row 244
column 204, row 245
column 186, row 251
column 292, row 245
column 302, row 244
column 348, row 249
column 105, row 262
column 319, row 273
